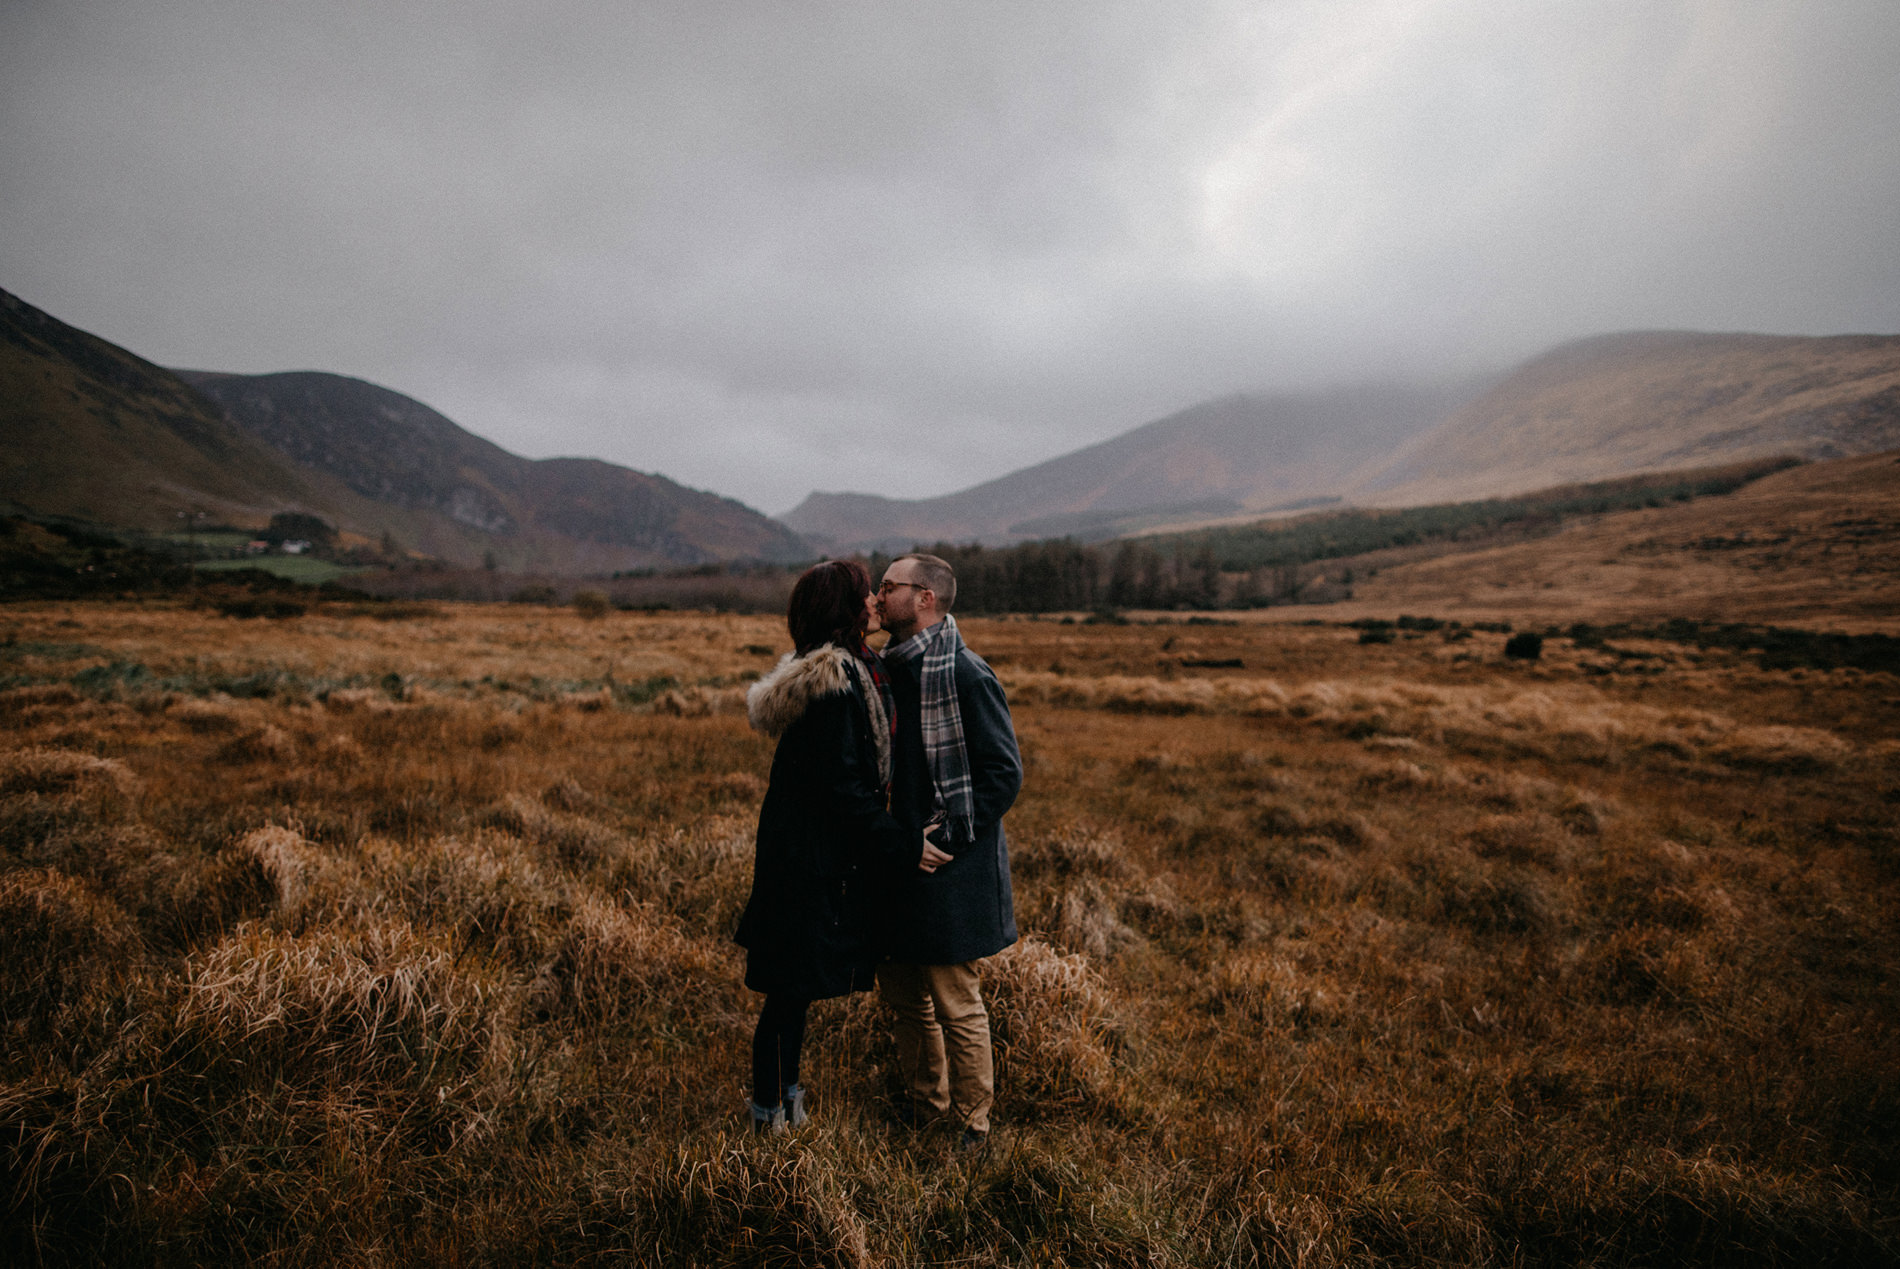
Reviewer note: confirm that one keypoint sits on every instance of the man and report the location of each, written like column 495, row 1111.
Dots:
column 954, row 771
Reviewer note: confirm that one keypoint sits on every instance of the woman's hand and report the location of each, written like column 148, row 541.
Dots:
column 932, row 858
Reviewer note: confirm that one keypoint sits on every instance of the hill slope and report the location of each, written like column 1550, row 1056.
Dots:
column 1816, row 545
column 1652, row 401
column 91, row 431
column 1227, row 456
column 564, row 514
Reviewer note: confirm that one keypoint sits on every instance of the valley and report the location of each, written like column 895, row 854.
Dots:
column 403, row 934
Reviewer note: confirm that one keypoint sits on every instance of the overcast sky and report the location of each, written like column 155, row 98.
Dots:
column 770, row 247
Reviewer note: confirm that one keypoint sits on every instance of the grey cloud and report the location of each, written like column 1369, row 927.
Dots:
column 765, row 247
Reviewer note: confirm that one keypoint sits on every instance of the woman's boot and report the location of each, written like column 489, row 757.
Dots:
column 768, row 1121
column 794, row 1106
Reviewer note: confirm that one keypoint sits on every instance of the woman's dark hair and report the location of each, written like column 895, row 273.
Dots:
column 828, row 605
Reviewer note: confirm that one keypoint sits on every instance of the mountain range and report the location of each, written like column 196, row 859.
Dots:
column 93, row 432
column 1220, row 458
column 1595, row 409
column 563, row 515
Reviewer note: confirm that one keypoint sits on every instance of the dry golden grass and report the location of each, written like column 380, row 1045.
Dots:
column 1814, row 546
column 343, row 941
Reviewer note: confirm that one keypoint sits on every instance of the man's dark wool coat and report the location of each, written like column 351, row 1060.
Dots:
column 824, row 833
column 965, row 909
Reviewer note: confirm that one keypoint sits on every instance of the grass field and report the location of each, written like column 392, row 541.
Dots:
column 341, row 940
column 1818, row 546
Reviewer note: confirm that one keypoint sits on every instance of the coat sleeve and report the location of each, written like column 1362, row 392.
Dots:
column 989, row 738
column 852, row 784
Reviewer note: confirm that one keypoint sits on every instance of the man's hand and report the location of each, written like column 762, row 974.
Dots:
column 932, row 858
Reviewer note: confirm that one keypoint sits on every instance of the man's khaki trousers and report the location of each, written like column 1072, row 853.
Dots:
column 943, row 1039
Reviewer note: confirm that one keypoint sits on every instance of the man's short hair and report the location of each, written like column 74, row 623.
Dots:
column 935, row 572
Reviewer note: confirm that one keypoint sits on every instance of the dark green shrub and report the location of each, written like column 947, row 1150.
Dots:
column 261, row 606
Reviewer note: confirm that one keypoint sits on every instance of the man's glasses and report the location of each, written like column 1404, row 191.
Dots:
column 886, row 587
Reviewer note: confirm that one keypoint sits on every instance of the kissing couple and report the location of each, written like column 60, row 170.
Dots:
column 880, row 852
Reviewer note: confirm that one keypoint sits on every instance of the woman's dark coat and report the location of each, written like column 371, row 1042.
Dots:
column 823, row 829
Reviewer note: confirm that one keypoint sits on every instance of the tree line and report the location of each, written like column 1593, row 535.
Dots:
column 1269, row 562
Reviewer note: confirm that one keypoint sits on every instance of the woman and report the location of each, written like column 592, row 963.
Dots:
column 824, row 827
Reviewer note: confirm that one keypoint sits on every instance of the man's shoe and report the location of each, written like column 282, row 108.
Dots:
column 794, row 1106
column 914, row 1115
column 768, row 1121
column 972, row 1141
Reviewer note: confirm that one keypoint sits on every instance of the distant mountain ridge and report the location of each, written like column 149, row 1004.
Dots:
column 94, row 432
column 91, row 431
column 1614, row 405
column 1595, row 409
column 1247, row 452
column 398, row 451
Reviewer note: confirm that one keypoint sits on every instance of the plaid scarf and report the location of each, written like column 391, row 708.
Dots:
column 938, row 647
column 878, row 702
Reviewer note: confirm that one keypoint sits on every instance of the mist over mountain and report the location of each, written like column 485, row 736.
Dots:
column 95, row 432
column 1236, row 454
column 736, row 242
column 1589, row 410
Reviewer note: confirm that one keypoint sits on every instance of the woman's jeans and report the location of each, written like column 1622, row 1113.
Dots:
column 776, row 1042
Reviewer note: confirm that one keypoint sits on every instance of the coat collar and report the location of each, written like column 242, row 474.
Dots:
column 781, row 698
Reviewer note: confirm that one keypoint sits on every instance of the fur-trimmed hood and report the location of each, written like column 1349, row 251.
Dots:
column 781, row 698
